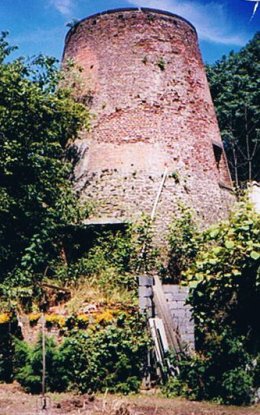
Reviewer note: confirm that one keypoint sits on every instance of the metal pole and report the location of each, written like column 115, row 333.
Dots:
column 43, row 362
column 158, row 195
column 141, row 255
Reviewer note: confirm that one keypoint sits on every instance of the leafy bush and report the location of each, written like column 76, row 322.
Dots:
column 8, row 329
column 190, row 381
column 223, row 373
column 111, row 357
column 227, row 277
column 6, row 354
column 237, row 387
column 114, row 259
column 183, row 242
column 106, row 265
column 174, row 387
column 224, row 271
column 28, row 366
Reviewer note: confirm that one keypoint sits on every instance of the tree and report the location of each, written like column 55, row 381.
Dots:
column 235, row 88
column 227, row 271
column 37, row 119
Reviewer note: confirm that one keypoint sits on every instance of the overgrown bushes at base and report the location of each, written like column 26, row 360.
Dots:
column 224, row 373
column 110, row 358
column 224, row 271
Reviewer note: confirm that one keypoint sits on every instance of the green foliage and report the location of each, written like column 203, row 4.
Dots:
column 114, row 258
column 111, row 250
column 238, row 387
column 111, row 358
column 107, row 263
column 6, row 354
column 189, row 382
column 36, row 197
column 183, row 243
column 102, row 358
column 222, row 266
column 161, row 64
column 174, row 387
column 227, row 275
column 8, row 329
column 234, row 82
column 28, row 366
column 145, row 255
column 223, row 373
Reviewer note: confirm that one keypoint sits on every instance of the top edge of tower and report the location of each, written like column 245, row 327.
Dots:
column 128, row 9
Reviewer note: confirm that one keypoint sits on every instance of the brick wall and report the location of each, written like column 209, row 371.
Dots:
column 151, row 106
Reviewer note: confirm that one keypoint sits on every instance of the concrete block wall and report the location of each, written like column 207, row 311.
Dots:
column 145, row 294
column 176, row 297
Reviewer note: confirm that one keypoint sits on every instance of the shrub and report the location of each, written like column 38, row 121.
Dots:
column 226, row 273
column 111, row 357
column 190, row 381
column 222, row 265
column 8, row 330
column 237, row 387
column 6, row 354
column 224, row 373
column 174, row 387
column 113, row 260
column 183, row 242
column 28, row 366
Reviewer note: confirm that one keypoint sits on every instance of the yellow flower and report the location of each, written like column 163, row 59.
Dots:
column 4, row 318
column 34, row 317
column 55, row 320
column 82, row 321
column 104, row 317
column 83, row 318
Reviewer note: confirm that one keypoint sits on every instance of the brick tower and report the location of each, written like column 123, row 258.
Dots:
column 144, row 81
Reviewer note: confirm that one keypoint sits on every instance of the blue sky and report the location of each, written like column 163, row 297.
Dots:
column 39, row 26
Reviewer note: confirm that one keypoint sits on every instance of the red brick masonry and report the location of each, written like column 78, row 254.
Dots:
column 144, row 79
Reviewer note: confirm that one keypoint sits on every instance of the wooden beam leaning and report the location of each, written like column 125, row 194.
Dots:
column 163, row 311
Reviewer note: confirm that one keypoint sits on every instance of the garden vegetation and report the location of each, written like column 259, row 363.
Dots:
column 39, row 119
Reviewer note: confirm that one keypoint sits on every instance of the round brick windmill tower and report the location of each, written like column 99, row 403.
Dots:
column 153, row 118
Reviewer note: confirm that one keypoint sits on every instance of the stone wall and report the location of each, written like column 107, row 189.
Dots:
column 144, row 79
column 32, row 332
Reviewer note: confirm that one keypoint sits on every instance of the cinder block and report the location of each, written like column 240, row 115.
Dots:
column 145, row 281
column 145, row 291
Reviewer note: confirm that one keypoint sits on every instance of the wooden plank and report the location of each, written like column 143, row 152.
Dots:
column 162, row 308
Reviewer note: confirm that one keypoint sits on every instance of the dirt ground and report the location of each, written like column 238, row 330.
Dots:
column 13, row 401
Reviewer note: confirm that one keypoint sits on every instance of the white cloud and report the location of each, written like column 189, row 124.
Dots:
column 212, row 21
column 65, row 7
